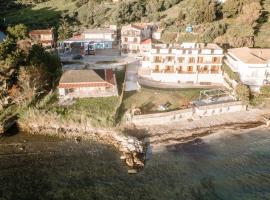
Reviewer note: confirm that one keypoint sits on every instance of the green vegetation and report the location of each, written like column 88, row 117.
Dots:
column 243, row 92
column 235, row 22
column 265, row 90
column 96, row 112
column 149, row 99
column 232, row 75
column 26, row 72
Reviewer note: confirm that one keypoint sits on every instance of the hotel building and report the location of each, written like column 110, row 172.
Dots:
column 187, row 63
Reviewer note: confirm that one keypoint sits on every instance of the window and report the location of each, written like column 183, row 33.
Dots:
column 190, row 69
column 200, row 59
column 181, row 59
column 191, row 60
column 215, row 60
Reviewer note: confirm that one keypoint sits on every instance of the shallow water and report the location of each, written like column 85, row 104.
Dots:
column 228, row 167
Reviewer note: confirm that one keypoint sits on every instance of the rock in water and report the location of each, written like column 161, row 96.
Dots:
column 132, row 171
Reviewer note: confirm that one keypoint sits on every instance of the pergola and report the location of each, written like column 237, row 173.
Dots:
column 213, row 93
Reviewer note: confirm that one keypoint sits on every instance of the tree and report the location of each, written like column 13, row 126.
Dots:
column 64, row 30
column 213, row 31
column 250, row 14
column 18, row 32
column 230, row 8
column 202, row 11
column 242, row 92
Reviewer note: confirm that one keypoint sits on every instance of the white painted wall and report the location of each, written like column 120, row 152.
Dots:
column 252, row 75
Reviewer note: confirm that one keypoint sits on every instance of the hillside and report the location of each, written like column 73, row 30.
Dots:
column 236, row 22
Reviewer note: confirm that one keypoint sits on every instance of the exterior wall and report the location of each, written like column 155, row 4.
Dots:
column 220, row 109
column 185, row 114
column 46, row 37
column 61, row 91
column 187, row 78
column 184, row 65
column 131, row 39
column 156, row 35
column 83, row 92
column 145, row 48
column 254, row 75
column 161, row 118
column 101, row 36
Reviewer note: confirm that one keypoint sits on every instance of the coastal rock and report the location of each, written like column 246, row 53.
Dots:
column 131, row 147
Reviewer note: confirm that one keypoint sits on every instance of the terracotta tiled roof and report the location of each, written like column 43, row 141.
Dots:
column 87, row 78
column 39, row 32
column 147, row 41
column 76, row 85
column 99, row 30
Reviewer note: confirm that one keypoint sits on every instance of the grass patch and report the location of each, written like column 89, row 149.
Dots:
column 99, row 111
column 149, row 99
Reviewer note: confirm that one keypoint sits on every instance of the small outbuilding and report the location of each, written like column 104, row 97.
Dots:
column 87, row 83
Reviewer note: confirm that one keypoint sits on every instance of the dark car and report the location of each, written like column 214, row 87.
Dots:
column 77, row 57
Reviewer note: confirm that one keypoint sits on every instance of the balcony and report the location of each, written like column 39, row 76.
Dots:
column 157, row 71
column 169, row 71
column 131, row 34
column 158, row 61
column 214, row 71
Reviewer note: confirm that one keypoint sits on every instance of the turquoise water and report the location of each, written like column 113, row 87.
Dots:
column 231, row 167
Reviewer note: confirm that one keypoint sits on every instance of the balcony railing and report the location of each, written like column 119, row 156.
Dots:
column 170, row 71
column 214, row 71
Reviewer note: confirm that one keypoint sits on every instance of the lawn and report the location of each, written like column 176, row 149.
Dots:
column 149, row 99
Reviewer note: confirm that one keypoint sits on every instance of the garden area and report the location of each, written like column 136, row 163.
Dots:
column 152, row 100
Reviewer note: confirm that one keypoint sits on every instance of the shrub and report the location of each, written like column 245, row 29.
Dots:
column 265, row 90
column 232, row 75
column 243, row 92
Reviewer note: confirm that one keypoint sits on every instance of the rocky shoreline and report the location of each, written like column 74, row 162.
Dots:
column 132, row 150
column 178, row 137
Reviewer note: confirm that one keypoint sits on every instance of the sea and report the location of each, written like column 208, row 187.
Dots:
column 230, row 166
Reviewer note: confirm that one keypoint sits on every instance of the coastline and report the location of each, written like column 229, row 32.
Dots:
column 137, row 143
column 163, row 136
column 130, row 148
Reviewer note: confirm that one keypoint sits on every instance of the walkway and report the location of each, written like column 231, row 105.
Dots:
column 157, row 84
column 131, row 77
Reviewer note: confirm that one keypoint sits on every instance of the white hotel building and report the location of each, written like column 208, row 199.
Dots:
column 187, row 63
column 252, row 65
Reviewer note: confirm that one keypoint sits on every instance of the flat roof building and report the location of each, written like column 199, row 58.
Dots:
column 186, row 63
column 252, row 65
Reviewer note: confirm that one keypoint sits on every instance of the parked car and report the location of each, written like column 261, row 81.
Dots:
column 77, row 57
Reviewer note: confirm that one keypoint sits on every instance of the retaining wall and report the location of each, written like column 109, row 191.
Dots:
column 186, row 114
column 161, row 118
